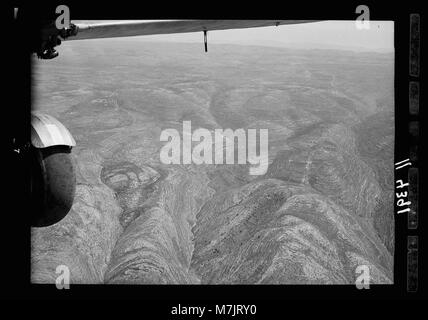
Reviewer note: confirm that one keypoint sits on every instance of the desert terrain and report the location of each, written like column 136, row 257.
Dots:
column 323, row 207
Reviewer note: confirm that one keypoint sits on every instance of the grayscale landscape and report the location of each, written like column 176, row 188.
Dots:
column 324, row 206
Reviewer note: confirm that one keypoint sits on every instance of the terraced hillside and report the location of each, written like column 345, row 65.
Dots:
column 323, row 207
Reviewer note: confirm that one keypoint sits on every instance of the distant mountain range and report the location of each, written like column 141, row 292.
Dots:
column 278, row 44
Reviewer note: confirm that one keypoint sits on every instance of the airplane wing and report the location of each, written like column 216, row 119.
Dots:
column 147, row 27
column 50, row 36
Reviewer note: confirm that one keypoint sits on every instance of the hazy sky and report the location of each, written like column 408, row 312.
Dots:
column 322, row 35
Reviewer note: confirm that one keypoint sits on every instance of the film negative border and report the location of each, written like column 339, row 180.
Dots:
column 18, row 286
column 413, row 172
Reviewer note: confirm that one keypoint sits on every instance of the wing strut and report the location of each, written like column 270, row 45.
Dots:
column 205, row 41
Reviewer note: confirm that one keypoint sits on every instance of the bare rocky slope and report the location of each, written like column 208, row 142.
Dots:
column 322, row 208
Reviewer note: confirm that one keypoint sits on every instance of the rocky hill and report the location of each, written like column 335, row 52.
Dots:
column 323, row 207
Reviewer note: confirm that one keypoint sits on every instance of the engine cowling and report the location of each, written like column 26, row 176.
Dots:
column 53, row 177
